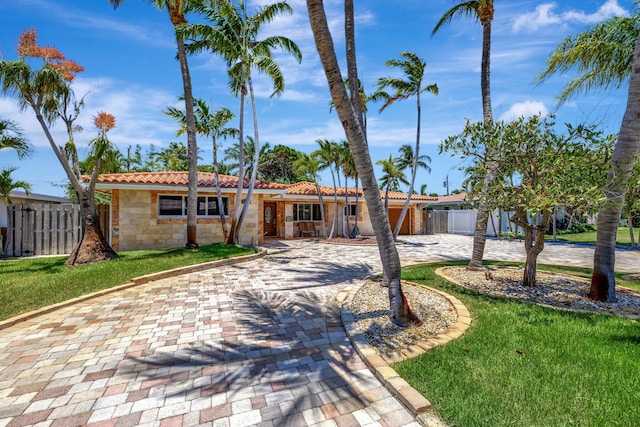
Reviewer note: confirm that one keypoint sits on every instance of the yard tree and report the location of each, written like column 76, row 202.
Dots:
column 329, row 156
column 632, row 203
column 234, row 34
column 409, row 85
column 400, row 311
column 391, row 178
column 482, row 11
column 47, row 91
column 606, row 55
column 176, row 10
column 309, row 165
column 536, row 169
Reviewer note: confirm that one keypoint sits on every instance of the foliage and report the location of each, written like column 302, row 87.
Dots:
column 29, row 284
column 525, row 365
column 601, row 56
column 11, row 136
column 536, row 169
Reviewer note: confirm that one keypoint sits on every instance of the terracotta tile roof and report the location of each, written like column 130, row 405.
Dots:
column 454, row 198
column 205, row 179
column 309, row 189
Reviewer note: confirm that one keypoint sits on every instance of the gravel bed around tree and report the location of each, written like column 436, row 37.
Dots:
column 370, row 307
column 552, row 290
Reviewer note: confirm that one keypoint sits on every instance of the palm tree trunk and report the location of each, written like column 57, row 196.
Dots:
column 7, row 243
column 400, row 312
column 216, row 178
column 322, row 216
column 232, row 237
column 627, row 147
column 414, row 171
column 352, row 67
column 256, row 160
column 480, row 233
column 355, row 228
column 192, row 147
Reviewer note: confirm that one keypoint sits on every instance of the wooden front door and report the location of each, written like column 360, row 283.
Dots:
column 270, row 219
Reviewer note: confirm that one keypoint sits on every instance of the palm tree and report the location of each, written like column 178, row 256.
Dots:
column 406, row 159
column 391, row 178
column 348, row 166
column 400, row 312
column 479, row 10
column 605, row 56
column 411, row 85
column 173, row 158
column 7, row 185
column 328, row 154
column 247, row 154
column 47, row 91
column 11, row 137
column 176, row 10
column 234, row 35
column 310, row 165
column 209, row 124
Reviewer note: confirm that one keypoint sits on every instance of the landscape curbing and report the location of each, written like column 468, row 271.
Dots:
column 136, row 281
column 379, row 364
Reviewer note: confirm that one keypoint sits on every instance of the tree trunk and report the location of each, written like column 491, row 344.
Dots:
column 322, row 216
column 480, row 233
column 334, row 224
column 603, row 280
column 5, row 245
column 216, row 178
column 92, row 247
column 400, row 312
column 256, row 161
column 232, row 237
column 414, row 172
column 352, row 64
column 192, row 148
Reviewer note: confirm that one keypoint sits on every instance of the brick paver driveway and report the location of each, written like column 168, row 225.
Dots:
column 258, row 343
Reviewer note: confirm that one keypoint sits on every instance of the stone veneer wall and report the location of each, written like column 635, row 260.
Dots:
column 136, row 225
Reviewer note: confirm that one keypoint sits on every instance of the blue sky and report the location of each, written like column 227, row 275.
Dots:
column 131, row 72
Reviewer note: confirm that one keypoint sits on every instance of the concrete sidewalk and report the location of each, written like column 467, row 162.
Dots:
column 258, row 343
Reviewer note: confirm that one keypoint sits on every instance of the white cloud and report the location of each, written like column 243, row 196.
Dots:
column 545, row 15
column 524, row 109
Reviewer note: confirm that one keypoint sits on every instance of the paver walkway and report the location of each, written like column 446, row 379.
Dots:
column 258, row 343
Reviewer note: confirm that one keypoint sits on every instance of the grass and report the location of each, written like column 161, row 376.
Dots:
column 29, row 284
column 524, row 365
column 590, row 237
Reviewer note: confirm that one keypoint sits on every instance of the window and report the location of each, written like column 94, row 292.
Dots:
column 351, row 210
column 177, row 205
column 306, row 212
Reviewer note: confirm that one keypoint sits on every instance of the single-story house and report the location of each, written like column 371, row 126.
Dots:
column 148, row 209
column 458, row 201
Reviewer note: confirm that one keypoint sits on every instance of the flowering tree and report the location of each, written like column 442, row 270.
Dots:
column 47, row 91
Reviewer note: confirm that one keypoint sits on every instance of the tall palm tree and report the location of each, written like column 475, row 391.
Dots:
column 407, row 158
column 411, row 85
column 348, row 166
column 11, row 137
column 391, row 178
column 7, row 185
column 47, row 91
column 234, row 35
column 400, row 312
column 479, row 10
column 177, row 10
column 310, row 165
column 213, row 125
column 328, row 155
column 606, row 55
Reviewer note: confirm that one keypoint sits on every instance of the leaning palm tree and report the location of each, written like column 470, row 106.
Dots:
column 177, row 10
column 310, row 165
column 348, row 166
column 411, row 85
column 328, row 156
column 605, row 56
column 11, row 137
column 7, row 185
column 479, row 10
column 213, row 125
column 234, row 36
column 400, row 312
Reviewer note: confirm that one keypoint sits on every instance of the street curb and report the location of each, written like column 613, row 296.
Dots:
column 379, row 364
column 136, row 281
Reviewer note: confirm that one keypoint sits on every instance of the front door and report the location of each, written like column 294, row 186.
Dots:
column 270, row 222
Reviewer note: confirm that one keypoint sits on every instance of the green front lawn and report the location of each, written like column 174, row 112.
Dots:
column 525, row 365
column 29, row 284
column 590, row 237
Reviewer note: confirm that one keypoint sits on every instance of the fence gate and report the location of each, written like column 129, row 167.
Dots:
column 436, row 222
column 43, row 229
